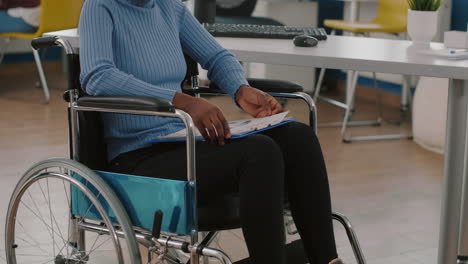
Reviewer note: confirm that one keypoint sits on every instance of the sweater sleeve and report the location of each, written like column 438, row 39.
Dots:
column 99, row 75
column 223, row 68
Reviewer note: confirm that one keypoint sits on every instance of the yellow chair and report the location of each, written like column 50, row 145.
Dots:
column 55, row 15
column 391, row 18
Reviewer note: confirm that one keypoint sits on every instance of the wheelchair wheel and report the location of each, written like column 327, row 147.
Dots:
column 47, row 222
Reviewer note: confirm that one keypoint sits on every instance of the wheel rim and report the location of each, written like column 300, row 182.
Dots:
column 44, row 238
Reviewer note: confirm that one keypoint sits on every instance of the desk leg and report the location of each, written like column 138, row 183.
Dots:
column 350, row 75
column 463, row 242
column 405, row 94
column 453, row 172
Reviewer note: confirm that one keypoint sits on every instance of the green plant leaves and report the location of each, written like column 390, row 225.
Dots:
column 424, row 5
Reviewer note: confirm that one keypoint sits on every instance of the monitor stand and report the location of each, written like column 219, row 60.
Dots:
column 205, row 10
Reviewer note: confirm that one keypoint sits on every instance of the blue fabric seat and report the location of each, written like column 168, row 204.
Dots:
column 141, row 197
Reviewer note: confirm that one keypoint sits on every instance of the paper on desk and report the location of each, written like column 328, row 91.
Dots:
column 239, row 127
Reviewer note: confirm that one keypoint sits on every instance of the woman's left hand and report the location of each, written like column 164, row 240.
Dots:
column 257, row 103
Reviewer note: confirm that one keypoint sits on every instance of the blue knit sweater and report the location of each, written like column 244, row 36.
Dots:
column 135, row 48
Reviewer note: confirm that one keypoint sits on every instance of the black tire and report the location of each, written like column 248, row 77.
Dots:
column 246, row 9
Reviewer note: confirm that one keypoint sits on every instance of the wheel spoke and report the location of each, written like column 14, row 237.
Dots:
column 50, row 215
column 53, row 220
column 31, row 255
column 30, row 244
column 61, row 249
column 69, row 211
column 94, row 243
column 40, row 202
column 87, row 210
column 50, row 208
column 91, row 251
column 27, row 234
column 41, row 219
column 37, row 208
column 38, row 214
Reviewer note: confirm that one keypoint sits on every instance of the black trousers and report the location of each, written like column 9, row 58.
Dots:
column 260, row 168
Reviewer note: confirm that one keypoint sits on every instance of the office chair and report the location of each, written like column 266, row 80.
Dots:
column 55, row 15
column 391, row 18
column 117, row 205
column 240, row 12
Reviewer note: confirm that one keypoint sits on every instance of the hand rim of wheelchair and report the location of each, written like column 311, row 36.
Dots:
column 39, row 171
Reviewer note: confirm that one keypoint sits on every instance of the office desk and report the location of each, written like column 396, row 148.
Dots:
column 386, row 56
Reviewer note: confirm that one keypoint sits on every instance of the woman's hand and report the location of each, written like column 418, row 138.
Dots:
column 207, row 117
column 257, row 103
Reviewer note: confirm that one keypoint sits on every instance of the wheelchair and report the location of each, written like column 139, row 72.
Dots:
column 78, row 213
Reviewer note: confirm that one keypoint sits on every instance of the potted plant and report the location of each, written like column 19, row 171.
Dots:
column 422, row 21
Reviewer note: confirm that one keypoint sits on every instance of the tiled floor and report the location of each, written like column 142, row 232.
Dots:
column 390, row 190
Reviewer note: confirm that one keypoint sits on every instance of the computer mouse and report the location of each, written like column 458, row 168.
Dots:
column 305, row 41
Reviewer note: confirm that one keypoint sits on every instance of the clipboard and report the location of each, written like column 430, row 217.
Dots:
column 243, row 125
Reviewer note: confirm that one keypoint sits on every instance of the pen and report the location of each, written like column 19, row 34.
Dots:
column 458, row 50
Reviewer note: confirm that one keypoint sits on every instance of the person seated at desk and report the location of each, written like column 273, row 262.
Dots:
column 19, row 15
column 136, row 48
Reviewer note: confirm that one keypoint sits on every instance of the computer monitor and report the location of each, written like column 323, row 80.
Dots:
column 205, row 10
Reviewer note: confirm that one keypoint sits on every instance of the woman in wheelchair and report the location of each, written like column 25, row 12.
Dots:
column 136, row 48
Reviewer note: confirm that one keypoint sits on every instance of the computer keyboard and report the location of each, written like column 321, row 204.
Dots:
column 263, row 31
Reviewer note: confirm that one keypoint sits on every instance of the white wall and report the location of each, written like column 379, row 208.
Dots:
column 291, row 13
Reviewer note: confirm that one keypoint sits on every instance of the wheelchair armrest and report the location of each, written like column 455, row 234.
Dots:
column 266, row 85
column 275, row 86
column 138, row 103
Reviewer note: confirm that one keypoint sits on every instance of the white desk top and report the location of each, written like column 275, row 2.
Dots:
column 338, row 52
column 348, row 53
column 69, row 34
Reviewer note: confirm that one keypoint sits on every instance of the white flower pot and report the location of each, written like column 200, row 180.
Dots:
column 422, row 27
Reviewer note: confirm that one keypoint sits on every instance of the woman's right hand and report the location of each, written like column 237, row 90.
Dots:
column 207, row 117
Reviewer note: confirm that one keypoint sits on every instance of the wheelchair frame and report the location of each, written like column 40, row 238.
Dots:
column 150, row 239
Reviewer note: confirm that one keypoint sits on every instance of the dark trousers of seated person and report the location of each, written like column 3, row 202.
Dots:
column 259, row 167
